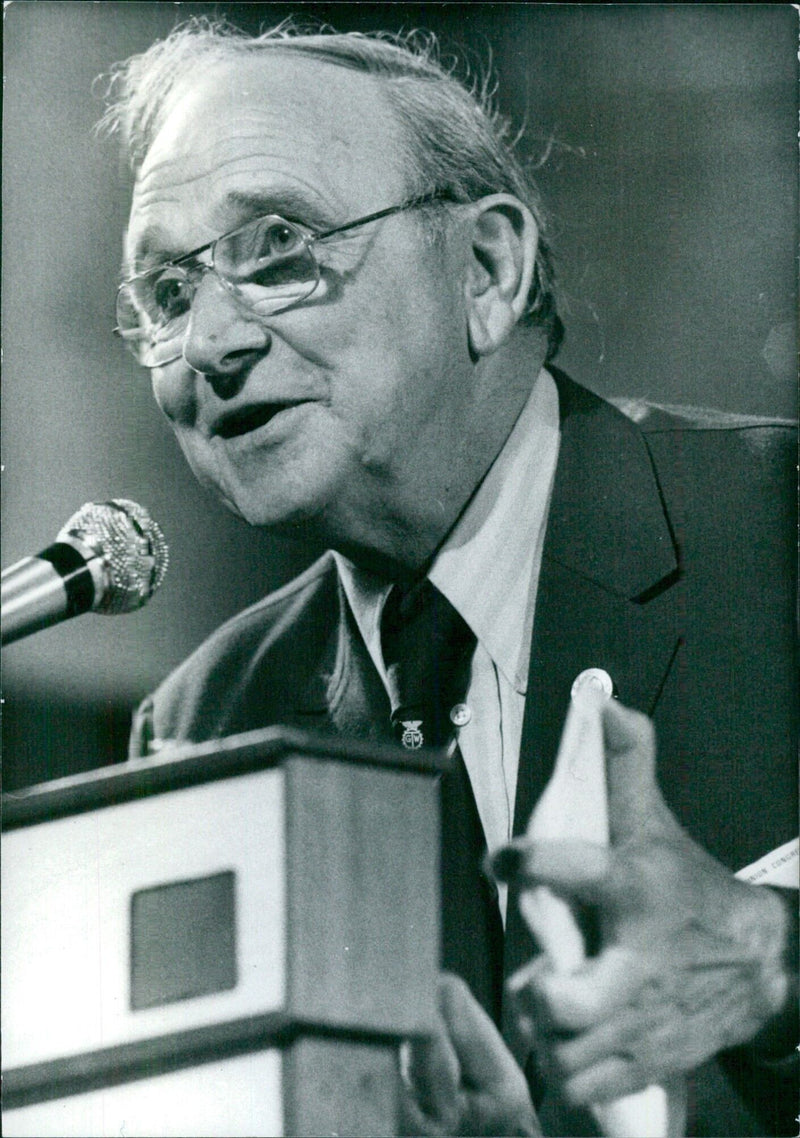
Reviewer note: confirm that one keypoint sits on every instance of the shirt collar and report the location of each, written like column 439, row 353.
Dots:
column 488, row 567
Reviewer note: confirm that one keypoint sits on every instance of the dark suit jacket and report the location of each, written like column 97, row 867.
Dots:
column 669, row 562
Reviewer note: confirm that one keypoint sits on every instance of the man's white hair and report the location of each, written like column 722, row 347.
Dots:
column 457, row 143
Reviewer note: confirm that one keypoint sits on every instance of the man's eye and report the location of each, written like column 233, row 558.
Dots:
column 171, row 296
column 278, row 240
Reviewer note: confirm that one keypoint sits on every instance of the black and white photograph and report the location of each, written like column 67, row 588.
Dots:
column 399, row 548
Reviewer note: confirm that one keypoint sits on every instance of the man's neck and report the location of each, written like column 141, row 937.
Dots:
column 401, row 539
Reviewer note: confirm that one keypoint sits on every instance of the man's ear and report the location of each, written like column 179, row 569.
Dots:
column 500, row 261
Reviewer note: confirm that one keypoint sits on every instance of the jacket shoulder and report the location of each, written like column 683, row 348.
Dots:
column 254, row 663
column 659, row 418
column 264, row 619
column 751, row 449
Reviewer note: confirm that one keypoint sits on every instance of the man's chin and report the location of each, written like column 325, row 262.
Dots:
column 294, row 521
column 255, row 504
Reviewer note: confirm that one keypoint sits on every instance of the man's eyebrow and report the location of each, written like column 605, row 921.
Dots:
column 240, row 206
column 154, row 248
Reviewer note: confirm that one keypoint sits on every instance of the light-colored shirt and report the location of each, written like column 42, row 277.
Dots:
column 488, row 568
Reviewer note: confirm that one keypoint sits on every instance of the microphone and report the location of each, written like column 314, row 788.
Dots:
column 109, row 558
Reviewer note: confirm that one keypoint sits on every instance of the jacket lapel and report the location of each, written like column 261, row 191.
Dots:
column 606, row 596
column 348, row 691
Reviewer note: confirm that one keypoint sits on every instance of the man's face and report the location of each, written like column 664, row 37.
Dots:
column 332, row 411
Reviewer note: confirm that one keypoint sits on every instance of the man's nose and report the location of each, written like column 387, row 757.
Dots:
column 222, row 338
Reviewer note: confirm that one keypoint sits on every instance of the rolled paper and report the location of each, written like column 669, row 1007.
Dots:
column 574, row 806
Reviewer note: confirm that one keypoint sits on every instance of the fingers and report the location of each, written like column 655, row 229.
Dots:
column 635, row 804
column 600, row 1043
column 484, row 1059
column 630, row 770
column 580, row 1000
column 434, row 1074
column 495, row 1097
column 463, row 1080
column 608, row 1079
column 588, row 1026
column 413, row 1122
column 626, row 730
column 576, row 868
column 636, row 810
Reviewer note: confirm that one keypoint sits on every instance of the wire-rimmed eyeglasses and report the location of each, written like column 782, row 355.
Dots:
column 268, row 265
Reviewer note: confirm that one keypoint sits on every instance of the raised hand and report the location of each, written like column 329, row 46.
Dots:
column 690, row 962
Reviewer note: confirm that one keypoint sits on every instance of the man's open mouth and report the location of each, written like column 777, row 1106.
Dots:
column 248, row 419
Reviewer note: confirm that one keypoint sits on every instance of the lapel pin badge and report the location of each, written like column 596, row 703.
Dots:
column 412, row 736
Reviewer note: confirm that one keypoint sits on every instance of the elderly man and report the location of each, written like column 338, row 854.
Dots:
column 336, row 273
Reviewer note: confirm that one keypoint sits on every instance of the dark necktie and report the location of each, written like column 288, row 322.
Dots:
column 427, row 649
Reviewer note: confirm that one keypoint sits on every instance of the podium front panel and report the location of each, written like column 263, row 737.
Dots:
column 236, row 1097
column 69, row 889
column 199, row 948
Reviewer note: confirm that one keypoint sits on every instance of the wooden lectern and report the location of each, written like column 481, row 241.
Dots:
column 227, row 939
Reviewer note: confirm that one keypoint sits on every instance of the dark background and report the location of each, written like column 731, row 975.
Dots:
column 671, row 180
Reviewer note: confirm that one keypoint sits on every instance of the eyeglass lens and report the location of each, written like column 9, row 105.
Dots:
column 267, row 264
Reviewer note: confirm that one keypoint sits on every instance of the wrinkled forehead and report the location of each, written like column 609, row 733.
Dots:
column 276, row 118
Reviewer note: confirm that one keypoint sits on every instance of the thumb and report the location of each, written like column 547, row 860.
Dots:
column 635, row 803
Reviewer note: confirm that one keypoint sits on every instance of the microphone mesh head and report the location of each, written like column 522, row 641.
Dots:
column 132, row 547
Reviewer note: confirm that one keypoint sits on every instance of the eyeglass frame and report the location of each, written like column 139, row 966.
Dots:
column 309, row 237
